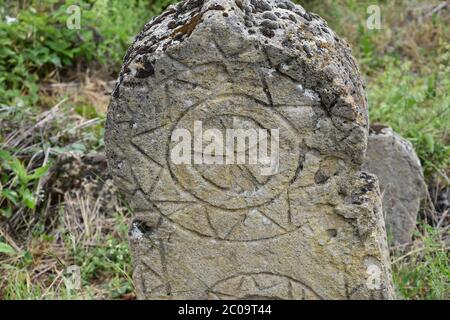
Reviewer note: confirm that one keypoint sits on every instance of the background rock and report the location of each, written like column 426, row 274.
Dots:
column 393, row 160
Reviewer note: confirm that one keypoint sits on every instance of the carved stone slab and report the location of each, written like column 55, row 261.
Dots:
column 310, row 229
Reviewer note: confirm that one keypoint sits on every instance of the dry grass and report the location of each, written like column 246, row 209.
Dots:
column 86, row 90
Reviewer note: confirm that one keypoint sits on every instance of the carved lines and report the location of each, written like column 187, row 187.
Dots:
column 262, row 285
column 164, row 169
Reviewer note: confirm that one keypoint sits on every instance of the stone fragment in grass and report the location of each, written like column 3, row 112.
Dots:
column 393, row 160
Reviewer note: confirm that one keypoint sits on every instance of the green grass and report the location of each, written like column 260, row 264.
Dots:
column 416, row 107
column 43, row 231
column 104, row 262
column 39, row 43
column 423, row 272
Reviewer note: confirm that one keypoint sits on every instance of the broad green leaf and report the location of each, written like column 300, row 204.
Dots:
column 28, row 199
column 19, row 169
column 5, row 155
column 6, row 248
column 11, row 195
column 39, row 172
column 6, row 212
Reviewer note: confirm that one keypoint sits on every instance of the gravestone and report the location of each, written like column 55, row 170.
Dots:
column 393, row 160
column 237, row 131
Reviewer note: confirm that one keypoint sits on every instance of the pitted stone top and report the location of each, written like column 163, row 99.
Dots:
column 296, row 43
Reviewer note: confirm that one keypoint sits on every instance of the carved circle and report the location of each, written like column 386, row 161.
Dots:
column 261, row 189
column 191, row 196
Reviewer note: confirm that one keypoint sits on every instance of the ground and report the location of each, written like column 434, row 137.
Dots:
column 58, row 206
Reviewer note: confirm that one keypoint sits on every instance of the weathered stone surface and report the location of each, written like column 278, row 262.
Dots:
column 313, row 230
column 393, row 160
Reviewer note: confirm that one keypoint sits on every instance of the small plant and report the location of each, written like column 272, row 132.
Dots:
column 6, row 248
column 17, row 184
